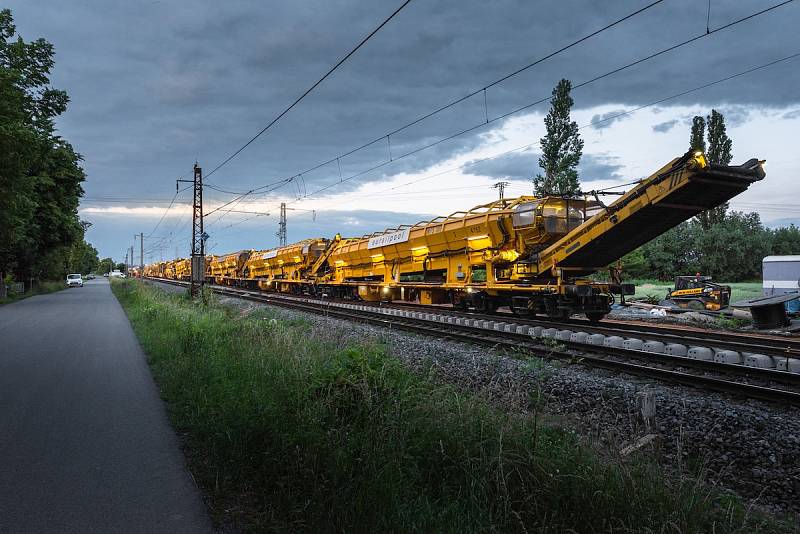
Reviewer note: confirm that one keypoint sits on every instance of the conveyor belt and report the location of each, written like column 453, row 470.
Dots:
column 600, row 241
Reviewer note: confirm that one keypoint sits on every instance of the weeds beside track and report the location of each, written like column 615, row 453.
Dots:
column 287, row 431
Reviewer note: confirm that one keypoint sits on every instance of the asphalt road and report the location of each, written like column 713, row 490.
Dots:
column 85, row 444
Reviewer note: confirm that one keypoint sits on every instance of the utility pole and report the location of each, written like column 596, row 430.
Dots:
column 501, row 186
column 126, row 261
column 282, row 226
column 141, row 255
column 198, row 235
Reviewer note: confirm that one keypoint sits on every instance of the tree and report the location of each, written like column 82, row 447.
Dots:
column 83, row 258
column 122, row 267
column 719, row 152
column 562, row 147
column 785, row 241
column 697, row 137
column 40, row 174
column 106, row 266
column 732, row 249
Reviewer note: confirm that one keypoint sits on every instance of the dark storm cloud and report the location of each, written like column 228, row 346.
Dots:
column 595, row 167
column 735, row 115
column 514, row 166
column 155, row 86
column 664, row 127
column 521, row 166
column 792, row 114
column 601, row 122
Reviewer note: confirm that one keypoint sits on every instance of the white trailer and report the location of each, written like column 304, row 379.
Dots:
column 782, row 275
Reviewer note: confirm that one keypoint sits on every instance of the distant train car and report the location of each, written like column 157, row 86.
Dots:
column 183, row 269
column 169, row 270
column 227, row 269
column 286, row 269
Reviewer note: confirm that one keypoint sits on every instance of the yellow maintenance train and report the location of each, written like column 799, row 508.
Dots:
column 531, row 254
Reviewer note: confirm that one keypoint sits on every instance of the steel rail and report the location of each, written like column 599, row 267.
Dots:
column 773, row 346
column 593, row 356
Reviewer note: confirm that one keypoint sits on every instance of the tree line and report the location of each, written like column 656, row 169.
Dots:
column 727, row 245
column 41, row 235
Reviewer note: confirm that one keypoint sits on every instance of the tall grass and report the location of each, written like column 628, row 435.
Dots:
column 286, row 431
column 40, row 288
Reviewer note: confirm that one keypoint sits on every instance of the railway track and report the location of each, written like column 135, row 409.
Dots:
column 530, row 335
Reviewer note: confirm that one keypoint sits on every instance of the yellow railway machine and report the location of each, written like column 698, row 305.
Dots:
column 227, row 269
column 531, row 254
column 284, row 269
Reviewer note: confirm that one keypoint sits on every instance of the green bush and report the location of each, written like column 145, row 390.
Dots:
column 289, row 431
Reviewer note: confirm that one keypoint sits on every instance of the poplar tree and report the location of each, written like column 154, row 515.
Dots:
column 697, row 137
column 561, row 146
column 719, row 152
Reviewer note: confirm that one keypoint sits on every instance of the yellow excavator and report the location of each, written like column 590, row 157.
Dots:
column 699, row 293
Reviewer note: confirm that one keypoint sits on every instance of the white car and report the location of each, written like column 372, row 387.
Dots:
column 116, row 274
column 74, row 280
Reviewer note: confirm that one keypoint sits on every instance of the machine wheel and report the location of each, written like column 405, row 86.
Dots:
column 484, row 303
column 559, row 315
column 696, row 305
column 595, row 317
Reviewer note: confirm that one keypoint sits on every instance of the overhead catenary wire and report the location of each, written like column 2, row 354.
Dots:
column 476, row 162
column 166, row 211
column 484, row 123
column 314, row 86
column 483, row 89
column 601, row 77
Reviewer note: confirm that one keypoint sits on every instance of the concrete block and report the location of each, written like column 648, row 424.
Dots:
column 676, row 349
column 522, row 329
column 613, row 341
column 791, row 365
column 535, row 331
column 656, row 347
column 488, row 325
column 549, row 333
column 579, row 337
column 700, row 353
column 451, row 320
column 564, row 335
column 460, row 321
column 511, row 327
column 500, row 327
column 728, row 356
column 596, row 340
column 633, row 343
column 759, row 360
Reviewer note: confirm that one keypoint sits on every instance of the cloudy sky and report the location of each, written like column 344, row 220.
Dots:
column 158, row 85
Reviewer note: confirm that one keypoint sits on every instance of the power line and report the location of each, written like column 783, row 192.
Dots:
column 166, row 211
column 301, row 97
column 474, row 162
column 442, row 108
column 519, row 109
column 473, row 93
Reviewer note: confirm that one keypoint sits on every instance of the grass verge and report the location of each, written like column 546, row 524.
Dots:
column 40, row 289
column 285, row 431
